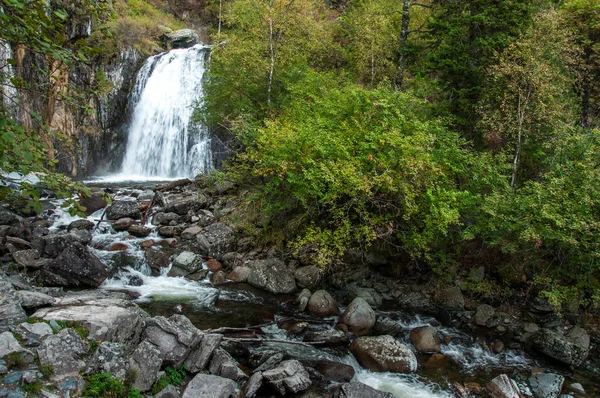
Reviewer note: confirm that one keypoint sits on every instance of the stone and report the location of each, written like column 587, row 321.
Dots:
column 288, row 377
column 303, row 299
column 450, row 299
column 436, row 361
column 169, row 391
column 272, row 275
column 208, row 386
column 118, row 247
column 82, row 236
column 183, row 205
column 370, row 295
column 186, row 263
column 239, row 274
column 82, row 224
column 183, row 38
column 139, row 231
column 9, row 345
column 64, row 352
column 426, row 339
column 484, row 314
column 164, row 218
column 359, row 317
column 359, row 390
column 333, row 371
column 110, row 357
column 385, row 325
column 174, row 337
column 578, row 336
column 39, row 329
column 93, row 203
column 76, row 266
column 145, row 362
column 384, row 354
column 198, row 275
column 123, row 224
column 497, row 346
column 157, row 259
column 546, row 385
column 107, row 319
column 307, row 277
column 169, row 231
column 322, row 305
column 55, row 244
column 214, row 265
column 558, row 347
column 327, row 337
column 147, row 243
column 8, row 218
column 199, row 357
column 222, row 364
column 26, row 258
column 191, row 232
column 12, row 314
column 29, row 299
column 253, row 385
column 216, row 240
column 123, row 209
column 576, row 388
column 218, row 278
column 503, row 387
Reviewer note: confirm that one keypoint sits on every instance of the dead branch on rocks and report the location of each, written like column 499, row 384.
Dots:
column 171, row 185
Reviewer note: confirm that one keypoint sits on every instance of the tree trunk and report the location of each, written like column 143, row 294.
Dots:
column 271, row 54
column 401, row 67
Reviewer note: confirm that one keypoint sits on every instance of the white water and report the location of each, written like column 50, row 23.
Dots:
column 163, row 140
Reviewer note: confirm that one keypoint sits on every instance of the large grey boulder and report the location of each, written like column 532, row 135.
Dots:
column 145, row 362
column 307, row 277
column 165, row 218
column 64, row 352
column 426, row 339
column 107, row 319
column 174, row 337
column 82, row 224
column 199, row 357
column 183, row 205
column 558, row 347
column 27, row 258
column 9, row 345
column 54, row 244
column 186, row 263
column 272, row 275
column 359, row 390
column 216, row 240
column 123, row 209
column 384, row 354
column 503, row 387
column 29, row 299
column 75, row 267
column 208, row 386
column 288, row 377
column 546, row 385
column 183, row 38
column 358, row 316
column 111, row 358
column 322, row 305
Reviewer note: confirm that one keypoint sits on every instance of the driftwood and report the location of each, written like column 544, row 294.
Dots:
column 171, row 185
column 146, row 214
column 251, row 340
column 101, row 217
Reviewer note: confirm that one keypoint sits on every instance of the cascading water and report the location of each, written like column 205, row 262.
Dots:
column 163, row 139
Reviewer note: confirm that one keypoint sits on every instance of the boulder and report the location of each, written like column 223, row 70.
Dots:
column 191, row 232
column 546, row 385
column 239, row 274
column 75, row 267
column 64, row 352
column 218, row 278
column 450, row 299
column 82, row 224
column 484, row 314
column 93, row 203
column 426, row 339
column 289, row 377
column 139, row 231
column 327, row 337
column 27, row 258
column 199, row 357
column 578, row 336
column 123, row 209
column 164, row 218
column 333, row 371
column 322, row 305
column 307, row 277
column 216, row 240
column 253, row 385
column 385, row 325
column 558, row 347
column 303, row 299
column 9, row 345
column 222, row 364
column 370, row 295
column 12, row 314
column 214, row 265
column 55, row 244
column 384, row 354
column 359, row 317
column 108, row 318
column 145, row 362
column 39, row 329
column 186, row 263
column 503, row 387
column 29, row 299
column 82, row 236
column 110, row 357
column 271, row 275
column 123, row 224
column 169, row 231
column 8, row 218
column 208, row 386
column 169, row 391
column 183, row 205
column 157, row 259
column 174, row 337
column 359, row 390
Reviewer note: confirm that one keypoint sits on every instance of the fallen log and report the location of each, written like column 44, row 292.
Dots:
column 171, row 185
column 251, row 340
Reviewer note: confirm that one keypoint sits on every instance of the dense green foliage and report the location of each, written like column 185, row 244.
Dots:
column 431, row 129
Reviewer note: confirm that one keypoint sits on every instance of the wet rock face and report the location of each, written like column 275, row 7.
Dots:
column 272, row 275
column 384, row 354
column 558, row 347
column 75, row 267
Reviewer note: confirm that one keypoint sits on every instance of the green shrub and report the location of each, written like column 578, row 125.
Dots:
column 15, row 360
column 33, row 387
column 174, row 376
column 103, row 385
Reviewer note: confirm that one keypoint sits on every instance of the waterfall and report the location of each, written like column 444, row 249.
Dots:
column 9, row 95
column 163, row 139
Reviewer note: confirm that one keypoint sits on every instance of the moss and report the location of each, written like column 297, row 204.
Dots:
column 32, row 387
column 103, row 385
column 15, row 360
column 47, row 370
